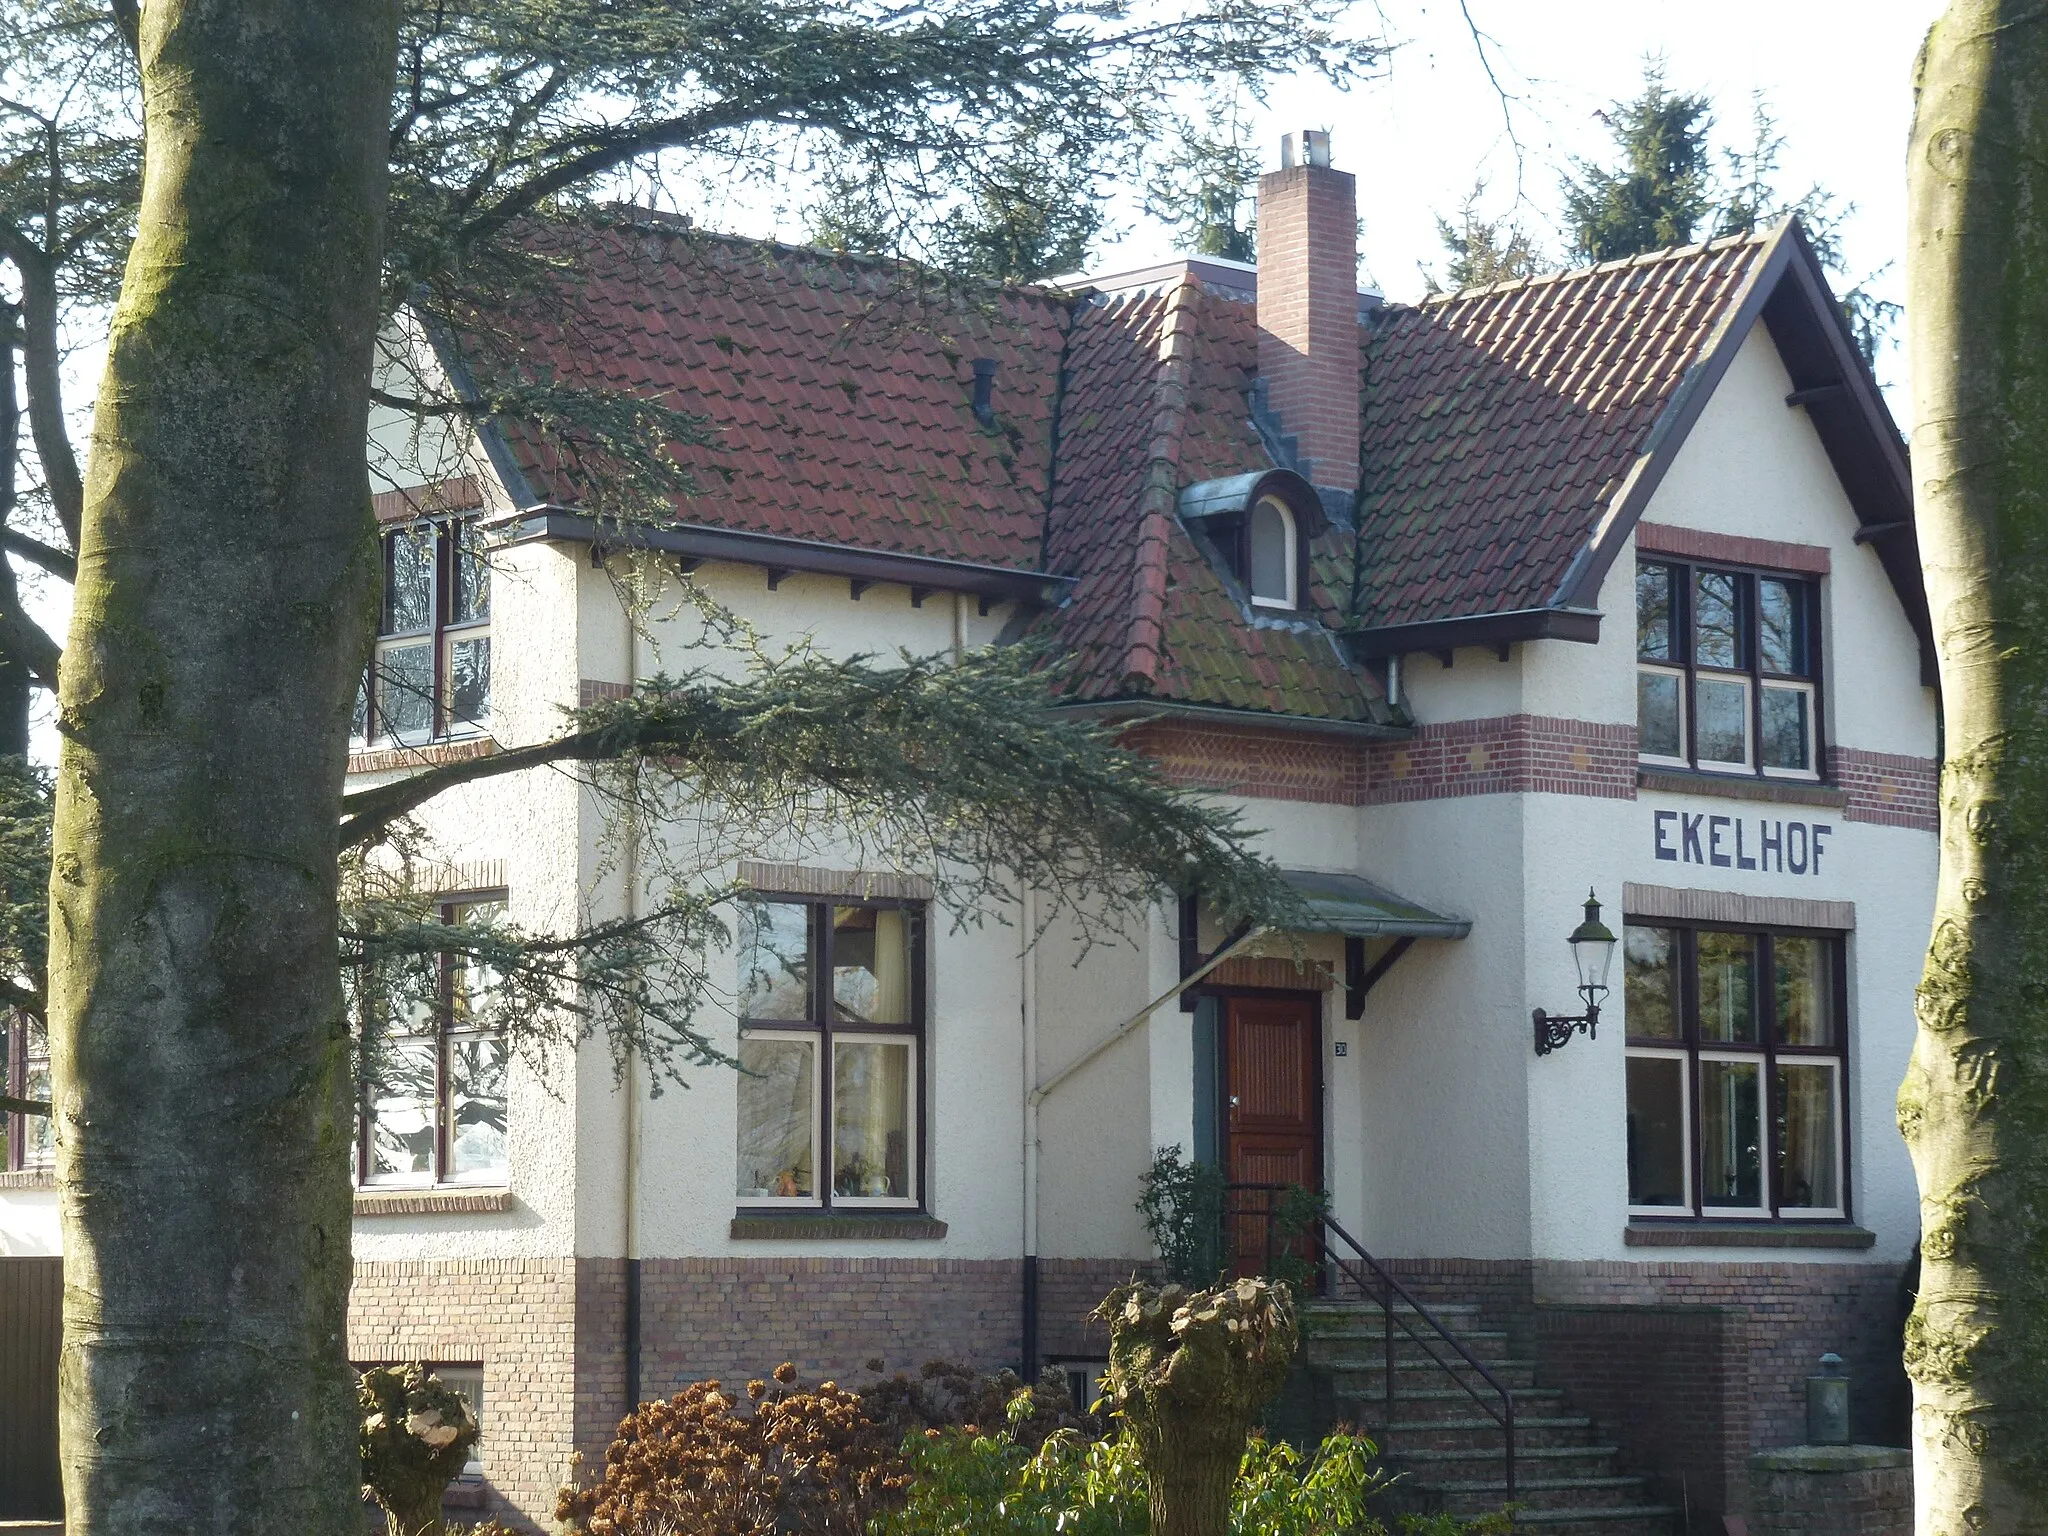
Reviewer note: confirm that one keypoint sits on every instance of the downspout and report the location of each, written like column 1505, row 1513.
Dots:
column 1029, row 991
column 630, row 870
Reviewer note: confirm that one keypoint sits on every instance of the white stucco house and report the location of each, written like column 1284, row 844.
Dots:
column 1601, row 581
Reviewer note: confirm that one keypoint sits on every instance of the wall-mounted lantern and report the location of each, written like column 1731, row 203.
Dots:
column 1592, row 945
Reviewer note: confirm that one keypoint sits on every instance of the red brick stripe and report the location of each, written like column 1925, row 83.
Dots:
column 1888, row 788
column 1732, row 549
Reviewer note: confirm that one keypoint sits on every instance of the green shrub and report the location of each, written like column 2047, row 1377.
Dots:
column 1182, row 1203
column 989, row 1485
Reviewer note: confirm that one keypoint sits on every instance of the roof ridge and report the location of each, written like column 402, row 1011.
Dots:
column 1667, row 253
column 1146, row 645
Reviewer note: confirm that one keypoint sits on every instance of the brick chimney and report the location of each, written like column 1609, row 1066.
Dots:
column 1308, row 306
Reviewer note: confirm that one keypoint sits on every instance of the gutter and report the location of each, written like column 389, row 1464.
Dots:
column 697, row 542
column 1560, row 623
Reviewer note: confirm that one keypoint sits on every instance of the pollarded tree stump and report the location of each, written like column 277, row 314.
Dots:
column 416, row 1436
column 1190, row 1371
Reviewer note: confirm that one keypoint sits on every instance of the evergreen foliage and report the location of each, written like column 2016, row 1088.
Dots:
column 1484, row 250
column 1658, row 190
column 1202, row 179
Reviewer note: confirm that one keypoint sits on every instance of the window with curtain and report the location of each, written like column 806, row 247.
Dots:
column 1737, row 1072
column 434, row 1102
column 831, row 1004
column 1727, row 670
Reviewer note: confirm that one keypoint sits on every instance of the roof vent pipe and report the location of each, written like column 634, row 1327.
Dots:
column 984, row 391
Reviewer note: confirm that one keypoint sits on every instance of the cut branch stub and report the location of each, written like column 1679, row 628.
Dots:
column 1189, row 1371
column 416, row 1437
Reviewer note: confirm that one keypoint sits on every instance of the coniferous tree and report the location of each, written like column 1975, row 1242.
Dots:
column 1485, row 250
column 1201, row 186
column 1658, row 190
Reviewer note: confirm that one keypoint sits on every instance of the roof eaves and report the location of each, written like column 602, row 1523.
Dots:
column 1137, row 710
column 1553, row 623
column 779, row 552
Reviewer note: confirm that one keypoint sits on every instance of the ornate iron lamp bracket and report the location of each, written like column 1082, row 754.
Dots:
column 1554, row 1030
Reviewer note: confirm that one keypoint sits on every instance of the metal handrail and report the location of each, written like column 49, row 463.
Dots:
column 1326, row 1228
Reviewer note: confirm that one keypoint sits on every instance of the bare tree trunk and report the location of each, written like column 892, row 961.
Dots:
column 1974, row 1108
column 223, row 606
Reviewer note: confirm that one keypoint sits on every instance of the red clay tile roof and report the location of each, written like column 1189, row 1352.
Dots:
column 1500, row 422
column 1498, row 425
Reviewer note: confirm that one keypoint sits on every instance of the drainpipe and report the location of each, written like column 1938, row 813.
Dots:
column 1039, row 1092
column 630, row 872
column 1029, row 988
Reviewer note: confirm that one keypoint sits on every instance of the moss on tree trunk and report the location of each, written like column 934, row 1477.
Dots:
column 223, row 606
column 1974, row 1108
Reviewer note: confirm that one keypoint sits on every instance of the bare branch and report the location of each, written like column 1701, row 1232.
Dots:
column 9, row 1105
column 36, row 552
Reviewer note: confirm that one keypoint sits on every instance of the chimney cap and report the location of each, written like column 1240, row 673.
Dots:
column 1314, row 146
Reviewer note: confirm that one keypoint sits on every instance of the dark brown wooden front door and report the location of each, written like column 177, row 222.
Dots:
column 1273, row 1116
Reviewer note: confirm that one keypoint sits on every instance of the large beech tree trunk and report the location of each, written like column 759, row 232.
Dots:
column 226, row 577
column 1974, row 1108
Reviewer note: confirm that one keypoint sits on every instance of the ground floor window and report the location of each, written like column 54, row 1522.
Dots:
column 31, row 1140
column 1737, row 1072
column 433, row 1106
column 831, row 1004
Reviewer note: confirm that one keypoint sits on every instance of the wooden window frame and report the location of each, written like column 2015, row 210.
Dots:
column 446, row 1032
column 823, row 1029
column 440, row 635
column 1769, row 1052
column 14, row 1153
column 1685, row 576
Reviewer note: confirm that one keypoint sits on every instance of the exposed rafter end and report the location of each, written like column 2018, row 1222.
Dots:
column 1871, row 531
column 918, row 595
column 855, row 586
column 777, row 574
column 1816, row 393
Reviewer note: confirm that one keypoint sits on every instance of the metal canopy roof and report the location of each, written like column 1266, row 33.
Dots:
column 1348, row 905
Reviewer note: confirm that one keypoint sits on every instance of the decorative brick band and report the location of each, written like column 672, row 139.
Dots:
column 860, row 884
column 1506, row 755
column 452, row 495
column 1732, row 549
column 905, row 1227
column 1256, row 760
column 1888, row 788
column 29, row 1178
column 1274, row 972
column 1694, row 906
column 427, row 755
column 591, row 691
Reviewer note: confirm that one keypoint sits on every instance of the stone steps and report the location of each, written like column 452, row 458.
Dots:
column 1445, row 1446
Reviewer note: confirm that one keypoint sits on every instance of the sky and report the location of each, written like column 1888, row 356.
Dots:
column 1836, row 74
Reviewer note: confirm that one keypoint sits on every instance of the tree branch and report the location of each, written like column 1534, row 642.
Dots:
column 369, row 811
column 42, row 363
column 9, row 1105
column 24, row 639
column 128, row 19
column 36, row 552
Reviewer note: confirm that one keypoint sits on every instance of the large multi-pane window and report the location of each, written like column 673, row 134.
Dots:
column 831, row 1004
column 433, row 1106
column 25, row 1074
column 1728, row 670
column 1736, row 1072
column 431, row 673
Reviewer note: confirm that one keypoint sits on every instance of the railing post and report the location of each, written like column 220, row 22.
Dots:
column 1511, row 1446
column 1387, row 1318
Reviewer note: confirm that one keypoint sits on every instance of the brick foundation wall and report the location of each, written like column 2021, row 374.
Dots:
column 739, row 1318
column 1669, row 1385
column 519, row 1318
column 1832, row 1491
column 1068, row 1290
column 1797, row 1313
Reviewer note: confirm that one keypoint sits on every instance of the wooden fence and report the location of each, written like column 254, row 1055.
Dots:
column 31, row 1305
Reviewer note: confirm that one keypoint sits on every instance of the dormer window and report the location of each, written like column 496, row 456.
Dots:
column 1272, row 555
column 1255, row 529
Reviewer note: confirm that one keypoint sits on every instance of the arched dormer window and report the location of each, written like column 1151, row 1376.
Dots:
column 1272, row 555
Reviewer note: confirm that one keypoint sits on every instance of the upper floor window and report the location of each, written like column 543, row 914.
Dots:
column 1728, row 670
column 434, row 1104
column 25, row 1071
column 831, row 1054
column 431, row 673
column 1272, row 556
column 1737, row 1076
